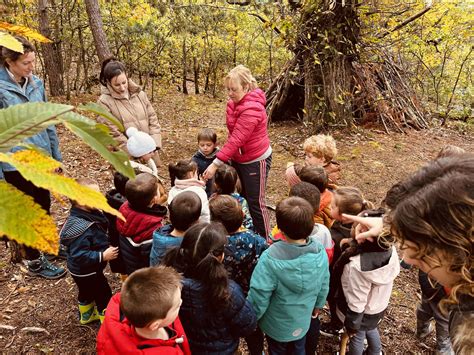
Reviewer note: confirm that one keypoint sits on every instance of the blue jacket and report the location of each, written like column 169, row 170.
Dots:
column 241, row 255
column 11, row 94
column 85, row 236
column 288, row 282
column 203, row 161
column 211, row 333
column 162, row 241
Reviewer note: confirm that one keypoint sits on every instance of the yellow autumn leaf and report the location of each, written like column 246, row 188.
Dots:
column 24, row 31
column 23, row 220
column 39, row 169
column 10, row 42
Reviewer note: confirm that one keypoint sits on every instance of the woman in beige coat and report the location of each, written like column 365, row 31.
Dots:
column 128, row 103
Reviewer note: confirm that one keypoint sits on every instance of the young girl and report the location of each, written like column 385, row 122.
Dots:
column 432, row 217
column 184, row 177
column 348, row 200
column 214, row 312
column 226, row 182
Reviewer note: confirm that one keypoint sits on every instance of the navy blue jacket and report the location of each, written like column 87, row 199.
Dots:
column 115, row 199
column 211, row 333
column 203, row 161
column 85, row 236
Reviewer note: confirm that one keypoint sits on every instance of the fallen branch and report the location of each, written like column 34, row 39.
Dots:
column 34, row 330
column 7, row 327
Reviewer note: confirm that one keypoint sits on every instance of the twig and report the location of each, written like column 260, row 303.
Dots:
column 406, row 22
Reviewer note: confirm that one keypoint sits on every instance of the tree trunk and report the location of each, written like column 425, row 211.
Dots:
column 185, row 68
column 51, row 52
column 95, row 21
column 197, row 67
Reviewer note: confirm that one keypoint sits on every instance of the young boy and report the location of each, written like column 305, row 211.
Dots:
column 291, row 280
column 244, row 247
column 207, row 142
column 143, row 318
column 85, row 236
column 185, row 210
column 319, row 150
column 143, row 216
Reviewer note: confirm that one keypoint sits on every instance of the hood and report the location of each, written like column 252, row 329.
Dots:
column 163, row 231
column 140, row 225
column 212, row 156
column 256, row 95
column 382, row 275
column 78, row 222
column 115, row 198
column 132, row 89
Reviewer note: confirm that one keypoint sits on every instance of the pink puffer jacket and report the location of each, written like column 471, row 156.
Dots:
column 247, row 125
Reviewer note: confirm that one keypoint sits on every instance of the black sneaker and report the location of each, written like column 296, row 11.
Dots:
column 42, row 267
column 331, row 330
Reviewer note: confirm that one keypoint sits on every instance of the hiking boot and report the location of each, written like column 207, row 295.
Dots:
column 423, row 331
column 42, row 267
column 88, row 313
column 331, row 330
column 62, row 254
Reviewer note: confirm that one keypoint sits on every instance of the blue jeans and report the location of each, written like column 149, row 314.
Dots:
column 296, row 347
column 356, row 344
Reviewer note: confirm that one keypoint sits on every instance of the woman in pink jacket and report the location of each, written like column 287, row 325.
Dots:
column 248, row 146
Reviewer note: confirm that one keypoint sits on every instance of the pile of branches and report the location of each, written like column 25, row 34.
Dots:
column 383, row 96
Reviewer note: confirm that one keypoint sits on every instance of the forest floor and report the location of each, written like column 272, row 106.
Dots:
column 371, row 160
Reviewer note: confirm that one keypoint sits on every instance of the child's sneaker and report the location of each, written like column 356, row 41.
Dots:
column 101, row 316
column 87, row 313
column 42, row 267
column 330, row 329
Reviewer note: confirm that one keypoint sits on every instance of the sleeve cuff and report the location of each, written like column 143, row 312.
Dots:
column 218, row 162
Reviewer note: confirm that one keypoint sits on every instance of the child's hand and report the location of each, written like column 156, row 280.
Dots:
column 345, row 241
column 110, row 253
column 315, row 313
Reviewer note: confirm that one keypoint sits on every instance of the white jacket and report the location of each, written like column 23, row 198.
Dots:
column 191, row 185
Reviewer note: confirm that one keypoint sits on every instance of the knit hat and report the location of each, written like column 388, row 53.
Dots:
column 139, row 143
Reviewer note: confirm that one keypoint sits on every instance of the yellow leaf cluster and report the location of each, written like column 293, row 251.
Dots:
column 24, row 31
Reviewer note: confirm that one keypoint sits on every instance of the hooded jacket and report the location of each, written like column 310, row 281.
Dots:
column 118, row 336
column 11, row 94
column 162, row 242
column 196, row 186
column 288, row 282
column 246, row 122
column 136, row 111
column 203, row 161
column 85, row 236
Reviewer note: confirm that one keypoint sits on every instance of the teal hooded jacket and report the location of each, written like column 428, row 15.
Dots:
column 288, row 282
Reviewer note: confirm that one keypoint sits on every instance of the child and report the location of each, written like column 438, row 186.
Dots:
column 243, row 247
column 365, row 274
column 291, row 280
column 185, row 210
column 184, row 177
column 214, row 311
column 85, row 236
column 207, row 142
column 320, row 232
column 349, row 200
column 143, row 318
column 143, row 215
column 317, row 176
column 226, row 182
column 320, row 150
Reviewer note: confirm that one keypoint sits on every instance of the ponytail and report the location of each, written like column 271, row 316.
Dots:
column 226, row 180
column 110, row 68
column 180, row 169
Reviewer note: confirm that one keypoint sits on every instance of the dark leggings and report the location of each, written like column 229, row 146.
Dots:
column 40, row 196
column 93, row 288
column 254, row 177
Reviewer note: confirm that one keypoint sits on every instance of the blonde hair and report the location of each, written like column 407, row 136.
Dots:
column 322, row 146
column 242, row 75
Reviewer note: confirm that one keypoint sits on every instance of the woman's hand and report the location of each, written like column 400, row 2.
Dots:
column 209, row 172
column 366, row 228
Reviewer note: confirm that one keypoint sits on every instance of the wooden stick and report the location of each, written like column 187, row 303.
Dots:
column 344, row 340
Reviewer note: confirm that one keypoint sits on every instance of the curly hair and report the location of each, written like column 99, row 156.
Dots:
column 434, row 209
column 322, row 146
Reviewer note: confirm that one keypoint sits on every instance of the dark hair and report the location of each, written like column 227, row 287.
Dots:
column 207, row 134
column 111, row 68
column 350, row 200
column 180, row 169
column 141, row 190
column 315, row 175
column 147, row 294
column 226, row 179
column 226, row 210
column 119, row 182
column 309, row 192
column 185, row 210
column 6, row 53
column 198, row 258
column 294, row 217
column 434, row 209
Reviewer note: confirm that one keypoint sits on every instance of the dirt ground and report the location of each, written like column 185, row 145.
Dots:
column 371, row 160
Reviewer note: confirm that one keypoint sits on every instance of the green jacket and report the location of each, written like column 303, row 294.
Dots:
column 288, row 282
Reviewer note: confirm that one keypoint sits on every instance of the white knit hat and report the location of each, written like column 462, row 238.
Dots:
column 139, row 143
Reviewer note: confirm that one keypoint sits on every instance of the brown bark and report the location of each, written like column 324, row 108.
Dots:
column 95, row 21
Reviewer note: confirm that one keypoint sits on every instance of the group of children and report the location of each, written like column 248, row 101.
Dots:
column 200, row 258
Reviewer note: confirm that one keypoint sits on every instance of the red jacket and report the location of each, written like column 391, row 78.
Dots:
column 118, row 336
column 247, row 125
column 139, row 226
